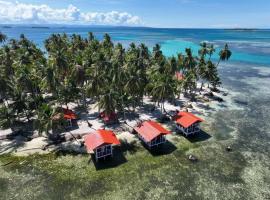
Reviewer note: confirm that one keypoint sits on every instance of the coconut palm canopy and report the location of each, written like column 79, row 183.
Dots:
column 74, row 68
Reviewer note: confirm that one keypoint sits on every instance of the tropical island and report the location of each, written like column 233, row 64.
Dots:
column 52, row 100
column 36, row 86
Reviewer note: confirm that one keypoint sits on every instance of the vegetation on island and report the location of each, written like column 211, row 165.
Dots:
column 34, row 83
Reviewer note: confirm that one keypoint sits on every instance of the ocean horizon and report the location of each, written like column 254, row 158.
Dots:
column 248, row 44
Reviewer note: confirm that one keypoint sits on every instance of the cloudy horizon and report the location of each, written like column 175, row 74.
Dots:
column 22, row 13
column 150, row 13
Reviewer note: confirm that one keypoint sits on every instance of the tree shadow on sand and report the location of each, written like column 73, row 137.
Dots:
column 129, row 115
column 151, row 110
column 13, row 145
column 23, row 129
column 91, row 116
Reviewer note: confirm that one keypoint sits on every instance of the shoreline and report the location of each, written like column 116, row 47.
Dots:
column 203, row 107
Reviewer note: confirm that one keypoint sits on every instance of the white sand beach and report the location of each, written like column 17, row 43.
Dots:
column 20, row 146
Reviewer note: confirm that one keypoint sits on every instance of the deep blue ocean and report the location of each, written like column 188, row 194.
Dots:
column 250, row 46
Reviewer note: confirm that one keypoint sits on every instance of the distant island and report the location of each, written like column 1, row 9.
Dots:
column 242, row 29
column 40, row 27
column 7, row 26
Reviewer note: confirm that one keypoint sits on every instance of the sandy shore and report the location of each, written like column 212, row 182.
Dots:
column 202, row 107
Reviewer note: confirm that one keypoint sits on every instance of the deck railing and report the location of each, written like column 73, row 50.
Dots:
column 105, row 151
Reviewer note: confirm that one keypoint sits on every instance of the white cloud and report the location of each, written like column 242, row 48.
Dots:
column 29, row 13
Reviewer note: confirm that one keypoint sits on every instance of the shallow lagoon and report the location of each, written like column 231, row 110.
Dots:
column 243, row 173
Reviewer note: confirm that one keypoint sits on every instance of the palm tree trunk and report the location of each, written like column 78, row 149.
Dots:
column 218, row 62
column 98, row 99
column 122, row 106
column 201, row 86
column 163, row 104
column 6, row 105
column 84, row 99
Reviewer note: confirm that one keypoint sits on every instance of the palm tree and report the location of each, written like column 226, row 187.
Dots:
column 79, row 76
column 107, row 46
column 45, row 119
column 211, row 51
column 91, row 37
column 162, row 86
column 68, row 91
column 201, row 70
column 172, row 66
column 204, row 49
column 224, row 54
column 3, row 37
column 118, row 76
column 7, row 61
column 7, row 117
column 113, row 76
column 108, row 101
column 189, row 60
column 144, row 54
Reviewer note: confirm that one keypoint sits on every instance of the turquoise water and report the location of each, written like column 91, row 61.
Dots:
column 242, row 122
column 251, row 46
column 171, row 47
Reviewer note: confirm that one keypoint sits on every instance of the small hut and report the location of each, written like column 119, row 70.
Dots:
column 179, row 76
column 69, row 116
column 109, row 118
column 187, row 123
column 100, row 143
column 151, row 133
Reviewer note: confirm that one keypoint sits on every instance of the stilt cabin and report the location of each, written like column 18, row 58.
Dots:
column 109, row 118
column 69, row 116
column 101, row 143
column 151, row 133
column 187, row 123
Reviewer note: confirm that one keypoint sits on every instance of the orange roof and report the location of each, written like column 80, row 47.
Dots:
column 186, row 119
column 150, row 130
column 179, row 76
column 99, row 138
column 69, row 114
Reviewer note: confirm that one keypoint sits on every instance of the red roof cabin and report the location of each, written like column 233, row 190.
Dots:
column 69, row 116
column 179, row 76
column 187, row 123
column 151, row 133
column 100, row 143
column 109, row 118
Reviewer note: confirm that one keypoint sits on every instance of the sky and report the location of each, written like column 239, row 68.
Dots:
column 151, row 13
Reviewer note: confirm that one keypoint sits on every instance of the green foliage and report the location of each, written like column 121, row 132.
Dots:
column 3, row 37
column 49, row 119
column 44, row 120
column 33, row 83
column 7, row 117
